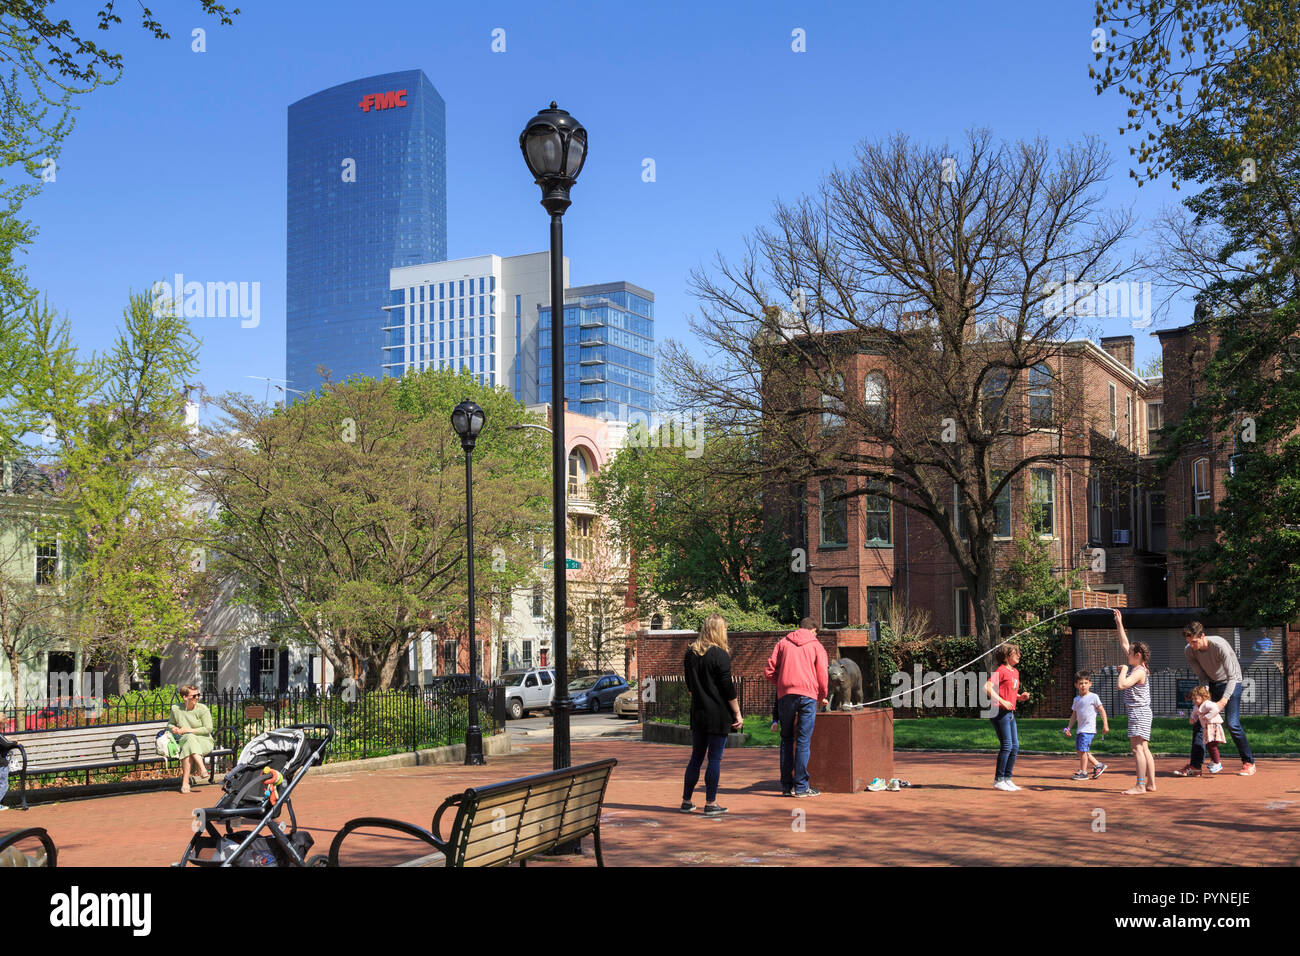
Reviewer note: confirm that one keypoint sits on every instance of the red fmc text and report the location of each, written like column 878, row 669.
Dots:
column 383, row 101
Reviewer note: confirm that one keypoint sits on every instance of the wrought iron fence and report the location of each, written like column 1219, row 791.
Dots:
column 374, row 724
column 667, row 699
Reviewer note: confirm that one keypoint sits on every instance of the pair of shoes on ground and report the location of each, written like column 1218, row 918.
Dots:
column 1006, row 785
column 892, row 784
column 1097, row 771
column 710, row 809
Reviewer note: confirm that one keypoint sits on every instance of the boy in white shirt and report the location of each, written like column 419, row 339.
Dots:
column 1083, row 712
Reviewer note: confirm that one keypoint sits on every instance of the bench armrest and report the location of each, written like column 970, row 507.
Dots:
column 383, row 823
column 51, row 851
column 22, row 752
column 436, row 826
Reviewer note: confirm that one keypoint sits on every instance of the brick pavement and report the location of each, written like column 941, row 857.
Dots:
column 950, row 816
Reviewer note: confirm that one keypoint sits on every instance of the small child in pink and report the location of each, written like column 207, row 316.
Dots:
column 1206, row 712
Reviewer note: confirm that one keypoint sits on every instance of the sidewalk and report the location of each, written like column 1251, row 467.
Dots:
column 950, row 816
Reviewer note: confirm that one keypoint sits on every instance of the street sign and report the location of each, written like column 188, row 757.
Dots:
column 569, row 564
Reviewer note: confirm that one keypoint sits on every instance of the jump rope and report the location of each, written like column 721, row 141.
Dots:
column 917, row 690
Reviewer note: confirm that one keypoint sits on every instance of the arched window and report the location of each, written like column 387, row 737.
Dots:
column 656, row 622
column 1040, row 396
column 875, row 396
column 580, row 469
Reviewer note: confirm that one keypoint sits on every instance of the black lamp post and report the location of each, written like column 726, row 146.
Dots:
column 554, row 145
column 467, row 418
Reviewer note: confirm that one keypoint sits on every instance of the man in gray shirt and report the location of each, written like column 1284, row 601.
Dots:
column 1216, row 664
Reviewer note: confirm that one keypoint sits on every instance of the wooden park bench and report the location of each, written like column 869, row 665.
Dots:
column 506, row 823
column 74, row 750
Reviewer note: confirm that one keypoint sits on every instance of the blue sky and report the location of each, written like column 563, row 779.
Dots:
column 180, row 166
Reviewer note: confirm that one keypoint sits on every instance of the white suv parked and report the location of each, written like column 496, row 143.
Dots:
column 528, row 690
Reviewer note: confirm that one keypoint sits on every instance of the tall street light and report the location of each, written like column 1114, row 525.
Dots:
column 554, row 145
column 467, row 418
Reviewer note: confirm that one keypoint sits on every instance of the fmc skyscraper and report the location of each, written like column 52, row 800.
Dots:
column 367, row 191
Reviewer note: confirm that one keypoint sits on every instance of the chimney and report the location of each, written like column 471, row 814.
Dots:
column 1120, row 348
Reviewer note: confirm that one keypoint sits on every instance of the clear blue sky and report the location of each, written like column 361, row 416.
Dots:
column 180, row 167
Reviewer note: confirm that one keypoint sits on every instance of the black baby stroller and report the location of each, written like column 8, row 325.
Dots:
column 260, row 788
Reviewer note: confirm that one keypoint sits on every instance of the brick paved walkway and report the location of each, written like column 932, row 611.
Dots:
column 950, row 816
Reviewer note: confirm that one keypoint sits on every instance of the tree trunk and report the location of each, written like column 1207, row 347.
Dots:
column 123, row 672
column 988, row 624
column 18, row 688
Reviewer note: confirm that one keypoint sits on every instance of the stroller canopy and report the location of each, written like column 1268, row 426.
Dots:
column 288, row 742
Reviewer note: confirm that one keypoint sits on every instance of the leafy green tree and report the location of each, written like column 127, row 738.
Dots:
column 1182, row 64
column 1029, row 589
column 347, row 509
column 1236, row 248
column 694, row 522
column 110, row 421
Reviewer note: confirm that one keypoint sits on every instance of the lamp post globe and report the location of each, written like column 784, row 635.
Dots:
column 467, row 419
column 554, row 145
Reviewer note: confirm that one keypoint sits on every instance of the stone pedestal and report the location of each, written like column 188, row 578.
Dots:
column 850, row 747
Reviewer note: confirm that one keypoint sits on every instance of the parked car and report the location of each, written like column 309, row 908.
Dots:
column 627, row 704
column 528, row 690
column 597, row 692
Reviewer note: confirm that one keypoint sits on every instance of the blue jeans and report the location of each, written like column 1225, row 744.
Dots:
column 795, row 749
column 702, row 743
column 1008, row 742
column 1231, row 723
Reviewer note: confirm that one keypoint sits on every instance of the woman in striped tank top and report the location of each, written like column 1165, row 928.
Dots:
column 1134, row 682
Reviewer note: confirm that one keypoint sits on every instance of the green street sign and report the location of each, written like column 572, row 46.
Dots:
column 569, row 564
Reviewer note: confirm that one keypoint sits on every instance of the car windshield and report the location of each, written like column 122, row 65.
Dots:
column 582, row 683
column 512, row 680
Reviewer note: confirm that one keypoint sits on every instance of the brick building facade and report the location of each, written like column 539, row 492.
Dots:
column 893, row 555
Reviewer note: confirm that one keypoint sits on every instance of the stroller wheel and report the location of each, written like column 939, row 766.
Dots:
column 318, row 859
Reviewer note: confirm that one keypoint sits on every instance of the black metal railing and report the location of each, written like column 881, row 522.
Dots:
column 374, row 724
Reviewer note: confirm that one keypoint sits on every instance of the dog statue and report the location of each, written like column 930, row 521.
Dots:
column 845, row 684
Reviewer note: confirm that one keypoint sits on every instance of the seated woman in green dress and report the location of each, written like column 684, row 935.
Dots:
column 193, row 725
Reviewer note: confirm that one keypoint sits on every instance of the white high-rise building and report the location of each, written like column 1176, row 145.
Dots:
column 478, row 313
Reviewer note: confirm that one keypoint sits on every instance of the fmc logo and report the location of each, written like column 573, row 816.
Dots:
column 382, row 101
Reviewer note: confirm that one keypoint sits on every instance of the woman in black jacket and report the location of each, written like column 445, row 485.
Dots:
column 714, row 711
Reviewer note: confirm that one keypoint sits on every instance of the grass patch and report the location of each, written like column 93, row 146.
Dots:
column 1267, row 735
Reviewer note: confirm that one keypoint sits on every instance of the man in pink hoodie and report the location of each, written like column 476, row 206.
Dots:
column 798, row 667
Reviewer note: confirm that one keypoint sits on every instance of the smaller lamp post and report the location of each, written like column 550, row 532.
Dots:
column 467, row 419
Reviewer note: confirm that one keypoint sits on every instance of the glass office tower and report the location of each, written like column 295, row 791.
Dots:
column 367, row 192
column 609, row 349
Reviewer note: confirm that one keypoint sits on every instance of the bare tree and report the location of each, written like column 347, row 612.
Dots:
column 901, row 333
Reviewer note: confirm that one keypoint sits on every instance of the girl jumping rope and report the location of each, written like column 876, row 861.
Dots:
column 1133, row 681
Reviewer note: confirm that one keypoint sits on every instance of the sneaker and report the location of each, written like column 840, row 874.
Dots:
column 787, row 793
column 893, row 784
column 1214, row 768
column 1011, row 783
column 876, row 785
column 1098, row 770
column 1247, row 770
column 1188, row 771
column 714, row 810
column 686, row 807
column 1003, row 785
column 1080, row 775
column 810, row 792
